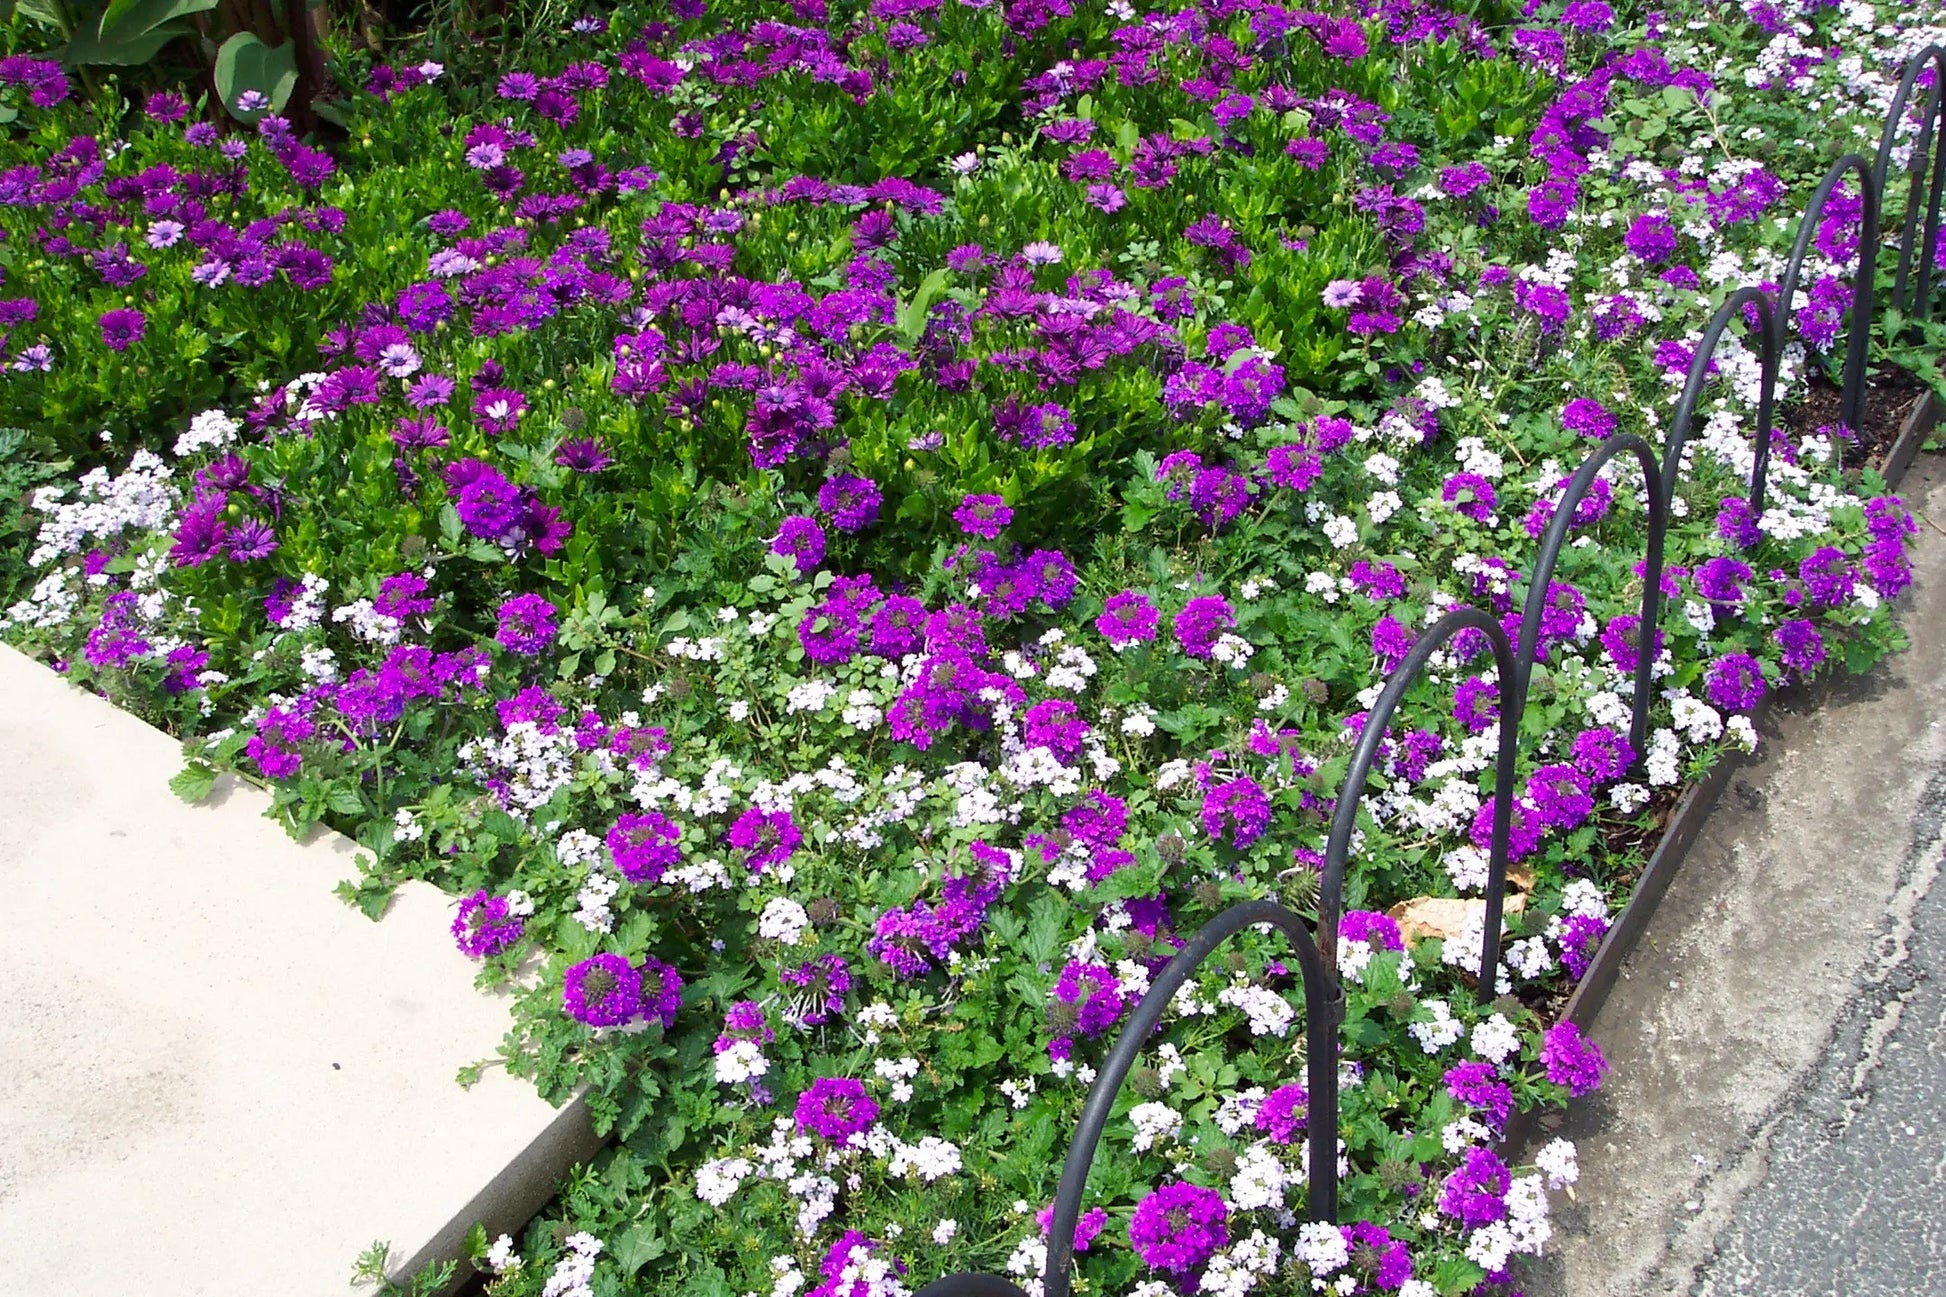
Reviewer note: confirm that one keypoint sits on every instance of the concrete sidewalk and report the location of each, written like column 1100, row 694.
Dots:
column 215, row 1077
column 1773, row 1122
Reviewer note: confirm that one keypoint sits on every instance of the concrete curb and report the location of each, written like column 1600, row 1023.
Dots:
column 218, row 1078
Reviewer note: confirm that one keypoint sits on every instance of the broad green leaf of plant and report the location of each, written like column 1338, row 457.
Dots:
column 245, row 63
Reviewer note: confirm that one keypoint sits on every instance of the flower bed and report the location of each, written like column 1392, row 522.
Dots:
column 843, row 539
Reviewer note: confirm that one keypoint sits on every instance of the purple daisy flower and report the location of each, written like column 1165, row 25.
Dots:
column 121, row 328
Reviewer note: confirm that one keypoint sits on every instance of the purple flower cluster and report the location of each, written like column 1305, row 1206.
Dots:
column 835, row 1109
column 485, row 925
column 1571, row 1059
column 644, row 847
column 527, row 626
column 1178, row 1226
column 1285, row 1113
column 1236, row 812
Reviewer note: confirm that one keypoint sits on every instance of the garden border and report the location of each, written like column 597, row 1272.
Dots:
column 1692, row 810
column 1768, row 312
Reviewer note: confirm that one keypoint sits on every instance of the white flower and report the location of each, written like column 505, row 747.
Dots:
column 783, row 920
column 1441, row 1031
column 1155, row 1123
column 1259, row 1180
column 1495, row 1039
column 1322, row 1247
column 501, row 1257
column 717, row 1180
column 742, row 1061
column 943, row 1232
column 1558, row 1163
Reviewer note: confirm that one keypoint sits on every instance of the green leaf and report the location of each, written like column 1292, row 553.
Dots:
column 124, row 19
column 337, row 114
column 641, row 1245
column 245, row 63
column 345, row 801
column 194, row 782
column 912, row 316
column 87, row 48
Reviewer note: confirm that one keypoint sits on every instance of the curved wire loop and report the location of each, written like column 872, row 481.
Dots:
column 1934, row 55
column 1550, row 553
column 971, row 1285
column 1323, row 1010
column 1692, row 391
column 1858, row 336
column 1345, row 816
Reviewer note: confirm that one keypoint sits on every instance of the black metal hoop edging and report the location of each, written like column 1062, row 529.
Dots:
column 1550, row 553
column 1323, row 1008
column 1344, row 816
column 1917, row 170
column 1851, row 407
column 1692, row 391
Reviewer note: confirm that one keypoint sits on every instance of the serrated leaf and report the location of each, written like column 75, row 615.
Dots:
column 194, row 782
column 639, row 1246
column 345, row 801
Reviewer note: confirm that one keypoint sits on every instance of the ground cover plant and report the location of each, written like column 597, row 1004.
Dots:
column 842, row 535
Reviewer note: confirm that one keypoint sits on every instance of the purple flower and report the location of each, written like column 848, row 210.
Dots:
column 835, row 1109
column 1476, row 703
column 202, row 531
column 1651, row 237
column 1476, row 1192
column 1200, row 623
column 983, row 515
column 852, row 501
column 583, row 454
column 801, row 540
column 1178, row 1226
column 1128, row 618
column 1802, row 645
column 485, row 926
column 1827, row 576
column 1580, row 938
column 603, row 991
column 1571, row 1059
column 644, row 847
column 1054, row 724
column 1735, row 682
column 526, row 625
column 121, row 328
column 1480, row 498
column 768, row 837
column 1720, row 579
column 1379, row 931
column 250, row 540
column 1096, row 996
column 1284, row 1113
column 1587, row 418
column 823, row 981
column 1602, row 754
column 1236, row 812
column 1478, row 1085
column 661, row 992
column 1391, row 641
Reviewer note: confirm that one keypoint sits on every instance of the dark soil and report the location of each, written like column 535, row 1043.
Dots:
column 1890, row 396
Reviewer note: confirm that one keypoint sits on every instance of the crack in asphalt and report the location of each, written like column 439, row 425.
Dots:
column 1844, row 1199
